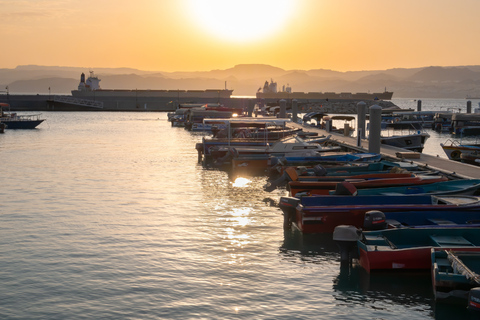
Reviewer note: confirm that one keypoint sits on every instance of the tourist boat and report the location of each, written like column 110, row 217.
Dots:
column 323, row 187
column 455, row 148
column 12, row 120
column 194, row 118
column 464, row 124
column 413, row 141
column 455, row 272
column 324, row 121
column 267, row 129
column 282, row 147
column 409, row 119
column 321, row 214
column 410, row 248
column 224, row 135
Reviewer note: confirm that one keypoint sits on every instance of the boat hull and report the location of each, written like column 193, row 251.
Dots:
column 450, row 284
column 410, row 248
column 23, row 124
column 323, row 213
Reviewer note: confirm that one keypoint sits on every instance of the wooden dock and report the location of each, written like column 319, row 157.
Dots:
column 450, row 167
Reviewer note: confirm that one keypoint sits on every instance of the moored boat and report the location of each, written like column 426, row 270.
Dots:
column 464, row 124
column 451, row 187
column 321, row 214
column 455, row 148
column 411, row 141
column 12, row 120
column 323, row 187
column 454, row 273
column 471, row 158
column 410, row 248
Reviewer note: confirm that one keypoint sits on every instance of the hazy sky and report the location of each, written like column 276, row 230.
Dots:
column 189, row 35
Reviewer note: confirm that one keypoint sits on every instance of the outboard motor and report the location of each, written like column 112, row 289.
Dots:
column 374, row 220
column 346, row 238
column 289, row 175
column 318, row 170
column 231, row 153
column 474, row 300
column 289, row 208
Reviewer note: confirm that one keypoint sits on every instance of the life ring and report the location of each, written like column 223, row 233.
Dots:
column 397, row 119
column 455, row 154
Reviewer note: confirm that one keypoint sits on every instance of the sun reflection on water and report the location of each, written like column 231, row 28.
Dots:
column 241, row 182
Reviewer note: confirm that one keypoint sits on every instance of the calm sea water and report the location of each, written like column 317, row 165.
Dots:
column 109, row 216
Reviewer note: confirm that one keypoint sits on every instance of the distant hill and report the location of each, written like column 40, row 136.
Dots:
column 246, row 79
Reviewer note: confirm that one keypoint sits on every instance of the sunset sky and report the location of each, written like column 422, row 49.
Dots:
column 190, row 35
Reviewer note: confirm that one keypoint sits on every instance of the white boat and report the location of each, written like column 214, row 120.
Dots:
column 454, row 149
column 288, row 146
column 409, row 120
column 412, row 142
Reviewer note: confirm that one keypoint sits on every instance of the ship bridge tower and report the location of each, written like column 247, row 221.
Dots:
column 92, row 83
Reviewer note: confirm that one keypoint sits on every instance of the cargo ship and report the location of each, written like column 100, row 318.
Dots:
column 90, row 88
column 270, row 92
column 162, row 100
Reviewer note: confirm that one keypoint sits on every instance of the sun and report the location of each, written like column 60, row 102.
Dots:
column 241, row 20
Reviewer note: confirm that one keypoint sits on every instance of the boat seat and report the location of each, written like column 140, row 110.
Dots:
column 442, row 262
column 451, row 241
column 440, row 221
column 394, row 223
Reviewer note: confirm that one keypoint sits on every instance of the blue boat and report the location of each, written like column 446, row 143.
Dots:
column 345, row 157
column 410, row 248
column 455, row 273
column 451, row 187
column 322, row 214
column 12, row 120
column 403, row 249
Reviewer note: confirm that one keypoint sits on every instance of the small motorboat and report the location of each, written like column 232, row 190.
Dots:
column 321, row 214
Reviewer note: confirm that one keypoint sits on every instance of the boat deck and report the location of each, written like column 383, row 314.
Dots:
column 459, row 169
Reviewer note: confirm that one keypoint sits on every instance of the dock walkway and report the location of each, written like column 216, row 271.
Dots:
column 462, row 170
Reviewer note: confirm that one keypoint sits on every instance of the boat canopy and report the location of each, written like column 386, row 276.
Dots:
column 313, row 115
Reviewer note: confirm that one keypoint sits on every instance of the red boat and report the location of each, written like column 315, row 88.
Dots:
column 410, row 248
column 321, row 214
column 362, row 182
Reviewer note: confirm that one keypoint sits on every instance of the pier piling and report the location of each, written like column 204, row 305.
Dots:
column 375, row 129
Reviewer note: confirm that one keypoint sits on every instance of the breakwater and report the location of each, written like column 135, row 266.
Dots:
column 38, row 102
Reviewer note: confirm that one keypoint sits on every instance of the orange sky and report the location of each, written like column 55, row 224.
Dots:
column 178, row 35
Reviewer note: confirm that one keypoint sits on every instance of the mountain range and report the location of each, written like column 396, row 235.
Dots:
column 245, row 79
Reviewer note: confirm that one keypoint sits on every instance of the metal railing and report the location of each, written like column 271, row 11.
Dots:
column 79, row 102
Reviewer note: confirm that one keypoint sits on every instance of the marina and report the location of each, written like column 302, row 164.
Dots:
column 109, row 216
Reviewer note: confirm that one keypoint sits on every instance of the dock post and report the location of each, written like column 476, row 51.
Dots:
column 419, row 105
column 250, row 107
column 295, row 110
column 469, row 106
column 361, row 115
column 283, row 109
column 375, row 129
